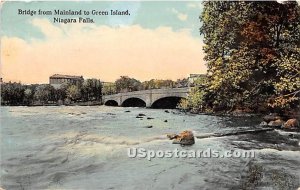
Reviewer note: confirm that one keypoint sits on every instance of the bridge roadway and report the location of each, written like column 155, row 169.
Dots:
column 147, row 98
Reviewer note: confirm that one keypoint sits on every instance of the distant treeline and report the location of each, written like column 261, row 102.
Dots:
column 43, row 94
column 127, row 84
column 13, row 93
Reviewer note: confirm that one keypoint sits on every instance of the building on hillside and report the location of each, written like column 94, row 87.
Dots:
column 57, row 80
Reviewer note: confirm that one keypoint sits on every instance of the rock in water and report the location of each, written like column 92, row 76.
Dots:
column 165, row 120
column 110, row 114
column 276, row 123
column 271, row 117
column 172, row 136
column 291, row 124
column 263, row 124
column 141, row 114
column 185, row 138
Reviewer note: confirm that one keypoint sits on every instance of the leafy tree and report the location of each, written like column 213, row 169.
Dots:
column 45, row 93
column 73, row 92
column 124, row 83
column 109, row 88
column 91, row 89
column 156, row 84
column 253, row 56
column 12, row 93
column 61, row 93
column 28, row 95
column 194, row 100
column 151, row 84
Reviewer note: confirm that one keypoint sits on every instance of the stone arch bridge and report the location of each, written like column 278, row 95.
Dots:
column 154, row 98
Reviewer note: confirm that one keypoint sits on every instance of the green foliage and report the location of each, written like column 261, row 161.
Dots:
column 109, row 88
column 73, row 92
column 184, row 104
column 28, row 95
column 194, row 100
column 156, row 84
column 200, row 81
column 18, row 94
column 252, row 54
column 124, row 83
column 12, row 93
column 44, row 93
column 91, row 89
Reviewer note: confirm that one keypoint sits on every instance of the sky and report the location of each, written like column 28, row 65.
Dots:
column 158, row 40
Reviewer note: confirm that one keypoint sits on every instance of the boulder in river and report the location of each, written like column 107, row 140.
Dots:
column 276, row 123
column 141, row 114
column 167, row 111
column 184, row 138
column 263, row 124
column 172, row 136
column 271, row 117
column 165, row 121
column 148, row 126
column 150, row 118
column 127, row 111
column 291, row 124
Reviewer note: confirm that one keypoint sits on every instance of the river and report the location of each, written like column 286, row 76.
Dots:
column 86, row 148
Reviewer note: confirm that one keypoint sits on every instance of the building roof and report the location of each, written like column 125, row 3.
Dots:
column 66, row 76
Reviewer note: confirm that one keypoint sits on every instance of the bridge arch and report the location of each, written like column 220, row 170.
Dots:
column 133, row 102
column 168, row 102
column 155, row 98
column 111, row 103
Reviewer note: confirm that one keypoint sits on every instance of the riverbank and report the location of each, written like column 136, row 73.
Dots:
column 284, row 114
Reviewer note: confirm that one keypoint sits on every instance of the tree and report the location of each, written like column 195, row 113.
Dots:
column 28, row 95
column 109, row 88
column 91, row 89
column 157, row 83
column 45, row 93
column 253, row 56
column 194, row 100
column 124, row 83
column 73, row 92
column 12, row 93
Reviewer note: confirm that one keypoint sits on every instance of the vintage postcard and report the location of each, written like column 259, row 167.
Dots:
column 133, row 95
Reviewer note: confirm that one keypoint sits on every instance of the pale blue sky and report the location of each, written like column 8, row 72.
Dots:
column 149, row 15
column 158, row 40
